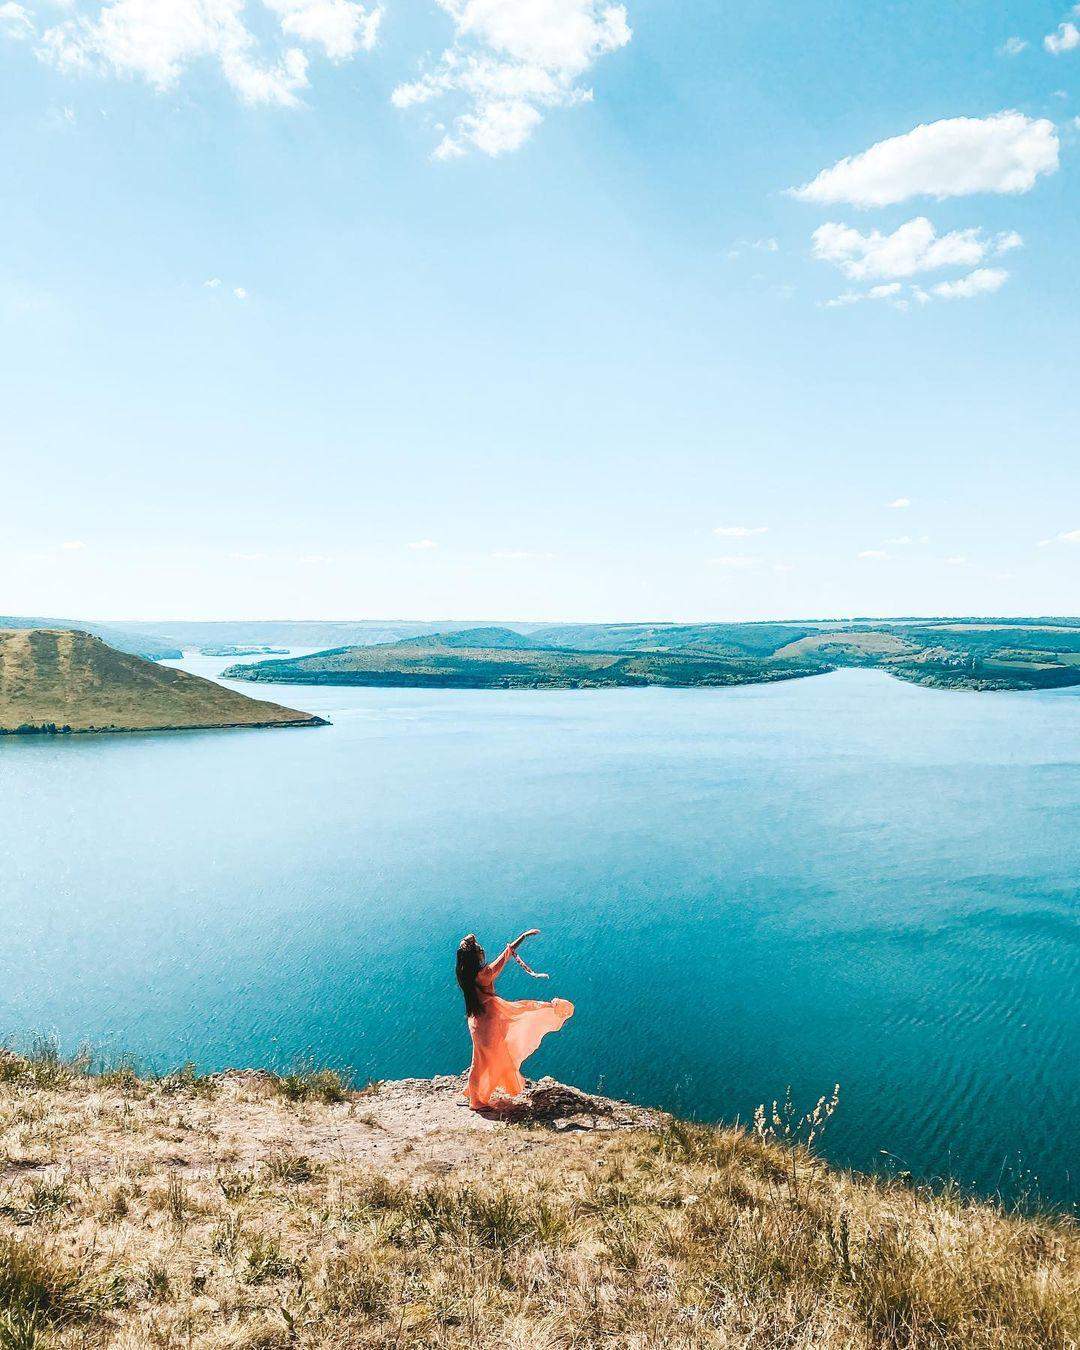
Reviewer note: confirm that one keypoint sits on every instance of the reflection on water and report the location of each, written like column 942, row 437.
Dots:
column 844, row 878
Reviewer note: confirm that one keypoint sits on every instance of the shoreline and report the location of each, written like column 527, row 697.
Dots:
column 312, row 721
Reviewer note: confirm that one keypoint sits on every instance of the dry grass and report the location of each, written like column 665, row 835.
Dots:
column 242, row 1213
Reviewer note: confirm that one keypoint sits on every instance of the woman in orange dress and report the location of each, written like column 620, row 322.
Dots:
column 504, row 1033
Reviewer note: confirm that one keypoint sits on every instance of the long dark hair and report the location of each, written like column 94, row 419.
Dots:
column 470, row 961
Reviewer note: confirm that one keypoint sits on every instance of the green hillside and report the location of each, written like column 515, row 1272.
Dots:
column 56, row 680
column 450, row 665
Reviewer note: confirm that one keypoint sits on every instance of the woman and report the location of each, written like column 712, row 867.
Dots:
column 504, row 1034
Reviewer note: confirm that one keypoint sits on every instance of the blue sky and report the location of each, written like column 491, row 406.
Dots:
column 481, row 345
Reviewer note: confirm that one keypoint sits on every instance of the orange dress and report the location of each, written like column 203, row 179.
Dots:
column 505, row 1034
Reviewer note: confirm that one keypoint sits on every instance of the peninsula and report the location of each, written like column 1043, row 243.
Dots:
column 64, row 680
column 1001, row 654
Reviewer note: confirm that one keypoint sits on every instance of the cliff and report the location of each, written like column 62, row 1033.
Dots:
column 250, row 1210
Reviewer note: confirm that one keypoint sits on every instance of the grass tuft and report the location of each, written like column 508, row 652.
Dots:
column 40, row 1285
column 309, row 1084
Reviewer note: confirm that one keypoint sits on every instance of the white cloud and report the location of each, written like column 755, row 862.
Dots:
column 423, row 544
column 212, row 283
column 16, row 21
column 72, row 545
column 958, row 560
column 913, row 247
column 520, row 555
column 889, row 291
column 900, row 504
column 1065, row 39
column 315, row 559
column 955, row 157
column 1013, row 46
column 158, row 40
column 737, row 561
column 1068, row 537
column 983, row 281
column 510, row 62
column 739, row 531
column 340, row 27
column 873, row 555
column 240, row 293
column 757, row 245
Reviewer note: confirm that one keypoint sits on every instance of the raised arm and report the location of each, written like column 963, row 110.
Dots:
column 494, row 968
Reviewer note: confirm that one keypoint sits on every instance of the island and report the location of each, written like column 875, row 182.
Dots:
column 268, row 1210
column 243, row 651
column 64, row 681
column 979, row 655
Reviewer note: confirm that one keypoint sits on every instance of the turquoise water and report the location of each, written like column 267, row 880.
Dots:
column 839, row 879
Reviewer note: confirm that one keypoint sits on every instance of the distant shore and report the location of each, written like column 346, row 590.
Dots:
column 984, row 658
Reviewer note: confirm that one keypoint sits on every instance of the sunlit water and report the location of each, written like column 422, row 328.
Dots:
column 840, row 879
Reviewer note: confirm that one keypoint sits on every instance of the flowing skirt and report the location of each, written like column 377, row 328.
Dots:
column 503, row 1038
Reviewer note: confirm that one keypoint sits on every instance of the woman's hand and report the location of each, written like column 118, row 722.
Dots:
column 531, row 932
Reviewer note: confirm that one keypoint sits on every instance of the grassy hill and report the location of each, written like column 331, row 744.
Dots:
column 432, row 663
column 65, row 680
column 978, row 655
column 256, row 1212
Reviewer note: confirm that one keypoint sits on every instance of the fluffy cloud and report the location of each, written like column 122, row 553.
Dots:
column 873, row 555
column 158, row 40
column 1005, row 153
column 421, row 545
column 340, row 27
column 914, row 247
column 1068, row 537
column 900, row 504
column 739, row 531
column 1013, row 46
column 1066, row 38
column 510, row 62
column 983, row 281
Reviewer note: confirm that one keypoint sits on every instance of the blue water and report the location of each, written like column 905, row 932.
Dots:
column 840, row 879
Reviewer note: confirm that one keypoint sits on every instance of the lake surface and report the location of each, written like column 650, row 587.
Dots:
column 842, row 879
